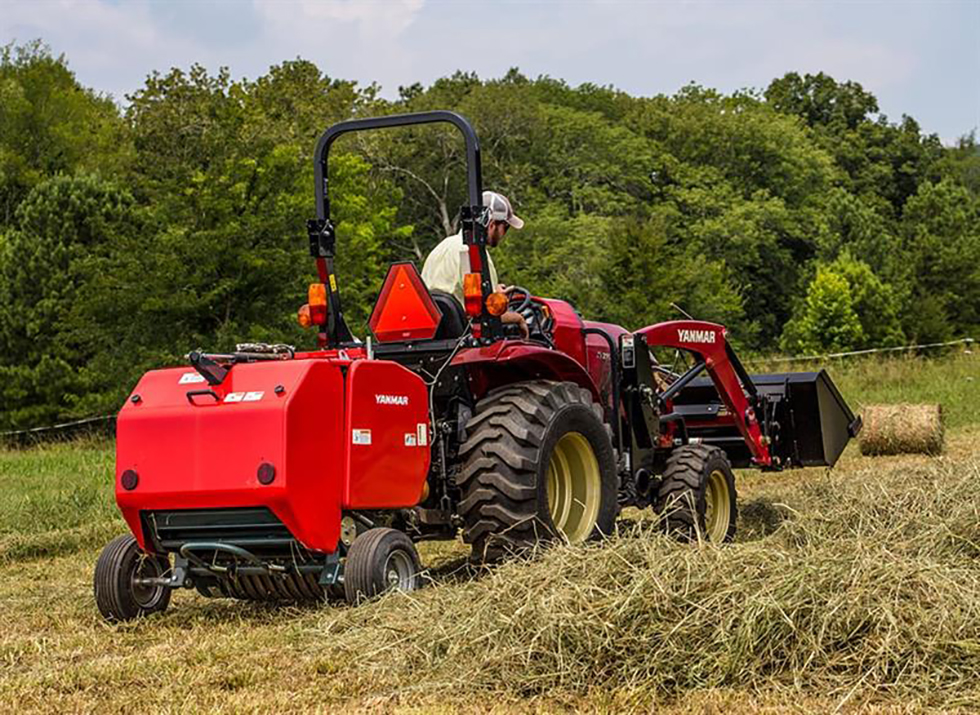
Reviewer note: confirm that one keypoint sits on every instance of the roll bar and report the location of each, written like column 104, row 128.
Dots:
column 473, row 216
column 474, row 175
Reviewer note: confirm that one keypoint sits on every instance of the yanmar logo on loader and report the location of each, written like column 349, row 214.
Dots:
column 391, row 399
column 696, row 336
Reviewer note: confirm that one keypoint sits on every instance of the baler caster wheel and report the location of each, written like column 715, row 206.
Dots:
column 380, row 560
column 117, row 593
column 697, row 495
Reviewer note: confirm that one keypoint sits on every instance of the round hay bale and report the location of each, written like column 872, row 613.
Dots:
column 901, row 429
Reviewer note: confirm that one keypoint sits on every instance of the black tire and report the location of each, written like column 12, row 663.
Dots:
column 117, row 597
column 506, row 463
column 378, row 561
column 697, row 496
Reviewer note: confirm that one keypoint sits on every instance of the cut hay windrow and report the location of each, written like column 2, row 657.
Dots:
column 901, row 429
column 869, row 582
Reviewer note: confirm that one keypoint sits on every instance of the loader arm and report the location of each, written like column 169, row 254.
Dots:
column 707, row 341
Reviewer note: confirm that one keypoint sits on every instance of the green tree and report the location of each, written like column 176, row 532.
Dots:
column 826, row 320
column 646, row 270
column 874, row 301
column 821, row 100
column 50, row 124
column 62, row 222
column 941, row 235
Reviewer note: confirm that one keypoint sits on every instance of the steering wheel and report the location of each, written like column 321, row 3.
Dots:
column 520, row 299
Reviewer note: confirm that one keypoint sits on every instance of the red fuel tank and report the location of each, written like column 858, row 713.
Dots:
column 305, row 438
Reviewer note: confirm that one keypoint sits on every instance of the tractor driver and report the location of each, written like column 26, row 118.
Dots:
column 442, row 270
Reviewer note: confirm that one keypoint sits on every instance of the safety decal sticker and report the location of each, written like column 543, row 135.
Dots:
column 234, row 396
column 361, row 436
column 253, row 396
column 423, row 434
column 189, row 378
column 410, row 439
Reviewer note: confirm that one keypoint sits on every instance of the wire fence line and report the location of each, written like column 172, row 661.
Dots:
column 19, row 434
column 869, row 351
column 64, row 426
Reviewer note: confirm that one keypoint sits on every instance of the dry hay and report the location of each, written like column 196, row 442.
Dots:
column 871, row 586
column 901, row 429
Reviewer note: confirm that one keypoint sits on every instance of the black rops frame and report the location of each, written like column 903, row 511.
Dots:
column 321, row 230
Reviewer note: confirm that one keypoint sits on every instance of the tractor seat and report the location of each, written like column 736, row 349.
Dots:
column 453, row 321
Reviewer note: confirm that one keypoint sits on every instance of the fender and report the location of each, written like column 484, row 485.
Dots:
column 511, row 361
column 707, row 341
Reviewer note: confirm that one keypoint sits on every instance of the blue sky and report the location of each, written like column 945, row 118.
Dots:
column 918, row 58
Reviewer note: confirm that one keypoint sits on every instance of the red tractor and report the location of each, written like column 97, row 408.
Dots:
column 275, row 475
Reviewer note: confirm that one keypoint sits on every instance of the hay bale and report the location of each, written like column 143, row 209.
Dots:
column 901, row 429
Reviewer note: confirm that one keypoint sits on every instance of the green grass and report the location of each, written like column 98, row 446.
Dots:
column 56, row 498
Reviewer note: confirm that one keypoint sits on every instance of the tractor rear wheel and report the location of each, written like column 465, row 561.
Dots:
column 380, row 560
column 537, row 466
column 118, row 594
column 697, row 494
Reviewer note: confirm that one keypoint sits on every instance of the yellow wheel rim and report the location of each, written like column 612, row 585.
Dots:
column 717, row 509
column 574, row 487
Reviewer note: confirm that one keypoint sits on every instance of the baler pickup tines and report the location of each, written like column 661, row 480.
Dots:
column 265, row 568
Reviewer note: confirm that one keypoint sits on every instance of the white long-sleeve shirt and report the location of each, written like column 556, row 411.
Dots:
column 445, row 265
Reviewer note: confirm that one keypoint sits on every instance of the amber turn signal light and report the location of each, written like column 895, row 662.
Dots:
column 497, row 304
column 317, row 296
column 303, row 316
column 473, row 294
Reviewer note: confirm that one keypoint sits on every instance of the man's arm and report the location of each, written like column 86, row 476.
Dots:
column 514, row 318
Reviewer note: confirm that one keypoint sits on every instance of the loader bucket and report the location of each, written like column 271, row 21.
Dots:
column 806, row 417
column 814, row 422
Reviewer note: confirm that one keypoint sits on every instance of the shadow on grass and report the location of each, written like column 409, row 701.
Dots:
column 760, row 517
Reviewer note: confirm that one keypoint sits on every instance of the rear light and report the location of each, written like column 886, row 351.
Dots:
column 303, row 316
column 266, row 473
column 473, row 294
column 129, row 480
column 497, row 303
column 318, row 303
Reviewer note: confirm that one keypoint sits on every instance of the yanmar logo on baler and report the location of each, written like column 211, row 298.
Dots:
column 696, row 336
column 391, row 399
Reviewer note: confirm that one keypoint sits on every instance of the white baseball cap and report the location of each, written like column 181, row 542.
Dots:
column 501, row 210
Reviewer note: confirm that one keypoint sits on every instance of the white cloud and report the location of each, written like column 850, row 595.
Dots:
column 377, row 20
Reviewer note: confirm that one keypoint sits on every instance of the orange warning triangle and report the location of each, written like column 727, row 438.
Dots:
column 405, row 310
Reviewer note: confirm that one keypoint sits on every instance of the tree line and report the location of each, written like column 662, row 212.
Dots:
column 798, row 216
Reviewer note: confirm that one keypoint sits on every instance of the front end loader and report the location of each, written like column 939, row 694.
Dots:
column 271, row 474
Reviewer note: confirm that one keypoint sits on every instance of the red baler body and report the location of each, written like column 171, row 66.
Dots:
column 339, row 434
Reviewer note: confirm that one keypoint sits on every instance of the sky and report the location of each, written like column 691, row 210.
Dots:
column 918, row 58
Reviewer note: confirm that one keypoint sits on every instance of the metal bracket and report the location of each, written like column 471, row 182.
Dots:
column 323, row 238
column 210, row 370
column 333, row 570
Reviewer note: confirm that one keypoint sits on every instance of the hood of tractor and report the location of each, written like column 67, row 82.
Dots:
column 305, row 438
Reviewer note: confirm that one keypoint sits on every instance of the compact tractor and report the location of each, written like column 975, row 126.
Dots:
column 269, row 474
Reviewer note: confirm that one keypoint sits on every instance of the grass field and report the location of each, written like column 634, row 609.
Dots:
column 855, row 588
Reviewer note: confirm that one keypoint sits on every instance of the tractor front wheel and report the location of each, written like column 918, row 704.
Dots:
column 380, row 560
column 537, row 466
column 121, row 591
column 697, row 495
